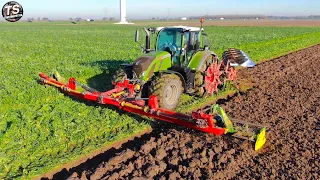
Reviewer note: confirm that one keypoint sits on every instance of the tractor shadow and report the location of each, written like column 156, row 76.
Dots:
column 102, row 82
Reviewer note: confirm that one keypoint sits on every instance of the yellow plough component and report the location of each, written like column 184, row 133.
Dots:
column 261, row 139
column 62, row 87
column 241, row 129
column 126, row 104
column 114, row 95
column 58, row 77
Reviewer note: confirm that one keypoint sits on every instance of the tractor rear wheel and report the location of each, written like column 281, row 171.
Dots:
column 168, row 88
column 207, row 79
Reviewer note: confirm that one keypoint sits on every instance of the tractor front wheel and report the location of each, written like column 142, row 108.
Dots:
column 119, row 76
column 168, row 88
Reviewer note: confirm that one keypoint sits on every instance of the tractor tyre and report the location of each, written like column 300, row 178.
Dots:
column 119, row 76
column 199, row 80
column 168, row 89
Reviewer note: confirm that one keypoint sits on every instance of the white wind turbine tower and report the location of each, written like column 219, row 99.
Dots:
column 123, row 13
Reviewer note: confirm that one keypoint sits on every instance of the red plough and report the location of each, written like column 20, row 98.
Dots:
column 122, row 96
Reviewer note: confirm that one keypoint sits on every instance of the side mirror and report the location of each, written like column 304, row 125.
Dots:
column 137, row 36
column 207, row 44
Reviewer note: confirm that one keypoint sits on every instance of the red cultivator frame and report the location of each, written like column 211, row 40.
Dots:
column 122, row 97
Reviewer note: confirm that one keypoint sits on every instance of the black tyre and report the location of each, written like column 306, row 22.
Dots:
column 119, row 76
column 199, row 79
column 168, row 88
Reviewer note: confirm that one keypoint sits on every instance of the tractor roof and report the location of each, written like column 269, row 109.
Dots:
column 183, row 27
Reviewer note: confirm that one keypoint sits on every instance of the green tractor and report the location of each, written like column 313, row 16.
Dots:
column 181, row 62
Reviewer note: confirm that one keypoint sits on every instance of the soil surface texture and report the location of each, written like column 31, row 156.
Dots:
column 285, row 97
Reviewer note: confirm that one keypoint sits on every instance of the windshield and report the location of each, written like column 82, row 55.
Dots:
column 169, row 37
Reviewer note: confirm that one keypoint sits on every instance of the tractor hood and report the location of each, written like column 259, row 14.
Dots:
column 142, row 64
column 147, row 63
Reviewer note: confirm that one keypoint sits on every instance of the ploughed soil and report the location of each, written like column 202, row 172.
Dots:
column 285, row 97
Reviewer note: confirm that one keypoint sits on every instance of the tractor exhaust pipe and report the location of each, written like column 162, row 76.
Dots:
column 147, row 40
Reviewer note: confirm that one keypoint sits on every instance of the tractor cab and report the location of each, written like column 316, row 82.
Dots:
column 180, row 41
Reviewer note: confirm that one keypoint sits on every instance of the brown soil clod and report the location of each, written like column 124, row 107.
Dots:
column 161, row 153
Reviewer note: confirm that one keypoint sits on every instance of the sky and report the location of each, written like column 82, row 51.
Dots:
column 146, row 9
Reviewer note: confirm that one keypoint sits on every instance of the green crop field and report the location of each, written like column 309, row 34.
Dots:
column 42, row 129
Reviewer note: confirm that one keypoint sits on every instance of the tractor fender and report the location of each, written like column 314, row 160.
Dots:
column 199, row 58
column 177, row 73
